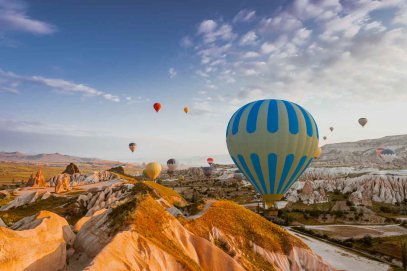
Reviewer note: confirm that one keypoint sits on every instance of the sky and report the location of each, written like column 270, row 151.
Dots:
column 80, row 77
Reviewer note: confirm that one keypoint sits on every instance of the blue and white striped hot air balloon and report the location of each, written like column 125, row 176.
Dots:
column 272, row 142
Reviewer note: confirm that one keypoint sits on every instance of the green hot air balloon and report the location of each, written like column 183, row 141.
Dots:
column 272, row 142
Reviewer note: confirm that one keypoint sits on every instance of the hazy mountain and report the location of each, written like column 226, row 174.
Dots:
column 53, row 158
column 363, row 152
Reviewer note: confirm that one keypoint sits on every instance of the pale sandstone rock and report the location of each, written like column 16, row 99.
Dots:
column 35, row 243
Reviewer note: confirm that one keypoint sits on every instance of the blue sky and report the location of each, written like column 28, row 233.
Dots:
column 80, row 77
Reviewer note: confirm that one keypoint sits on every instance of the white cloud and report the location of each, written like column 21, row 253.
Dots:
column 248, row 39
column 251, row 54
column 245, row 16
column 211, row 31
column 13, row 17
column 172, row 72
column 207, row 26
column 14, row 81
column 186, row 42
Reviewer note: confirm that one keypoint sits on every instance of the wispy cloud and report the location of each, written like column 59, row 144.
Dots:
column 245, row 16
column 13, row 17
column 309, row 50
column 13, row 82
column 172, row 72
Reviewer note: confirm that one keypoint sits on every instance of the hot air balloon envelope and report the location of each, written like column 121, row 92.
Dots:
column 186, row 109
column 132, row 147
column 172, row 164
column 272, row 142
column 362, row 121
column 153, row 170
column 210, row 161
column 331, row 128
column 157, row 107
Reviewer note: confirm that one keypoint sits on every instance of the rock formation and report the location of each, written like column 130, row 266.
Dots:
column 150, row 237
column 36, row 243
column 363, row 189
column 118, row 169
column 71, row 169
column 38, row 180
column 26, row 198
column 62, row 184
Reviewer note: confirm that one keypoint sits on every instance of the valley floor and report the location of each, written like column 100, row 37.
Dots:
column 339, row 258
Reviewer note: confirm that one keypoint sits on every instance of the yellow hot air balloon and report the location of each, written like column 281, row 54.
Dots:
column 317, row 153
column 272, row 142
column 153, row 170
column 186, row 109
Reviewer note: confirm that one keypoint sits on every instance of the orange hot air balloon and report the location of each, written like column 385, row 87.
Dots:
column 157, row 107
column 186, row 109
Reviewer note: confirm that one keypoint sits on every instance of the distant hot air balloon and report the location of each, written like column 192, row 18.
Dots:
column 362, row 121
column 324, row 137
column 186, row 109
column 172, row 165
column 132, row 147
column 157, row 107
column 210, row 161
column 386, row 155
column 238, row 176
column 272, row 142
column 207, row 171
column 331, row 128
column 153, row 170
column 317, row 153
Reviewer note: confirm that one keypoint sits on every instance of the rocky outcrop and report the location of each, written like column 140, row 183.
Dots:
column 71, row 169
column 118, row 169
column 362, row 190
column 37, row 242
column 38, row 180
column 82, row 179
column 103, row 198
column 140, row 232
column 26, row 198
column 62, row 184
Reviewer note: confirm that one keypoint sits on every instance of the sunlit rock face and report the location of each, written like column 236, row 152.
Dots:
column 62, row 183
column 36, row 243
column 224, row 236
column 37, row 181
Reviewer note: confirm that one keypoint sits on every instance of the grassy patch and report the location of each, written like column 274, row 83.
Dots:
column 63, row 206
column 167, row 193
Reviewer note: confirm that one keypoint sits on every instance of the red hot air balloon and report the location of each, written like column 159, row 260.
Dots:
column 210, row 161
column 157, row 107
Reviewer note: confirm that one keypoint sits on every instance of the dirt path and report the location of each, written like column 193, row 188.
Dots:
column 339, row 258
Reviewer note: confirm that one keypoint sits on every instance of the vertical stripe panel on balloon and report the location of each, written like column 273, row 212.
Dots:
column 287, row 166
column 248, row 173
column 316, row 126
column 306, row 166
column 272, row 164
column 272, row 117
column 281, row 141
column 236, row 121
column 245, row 174
column 307, row 120
column 260, row 177
column 252, row 117
column 295, row 174
column 292, row 118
